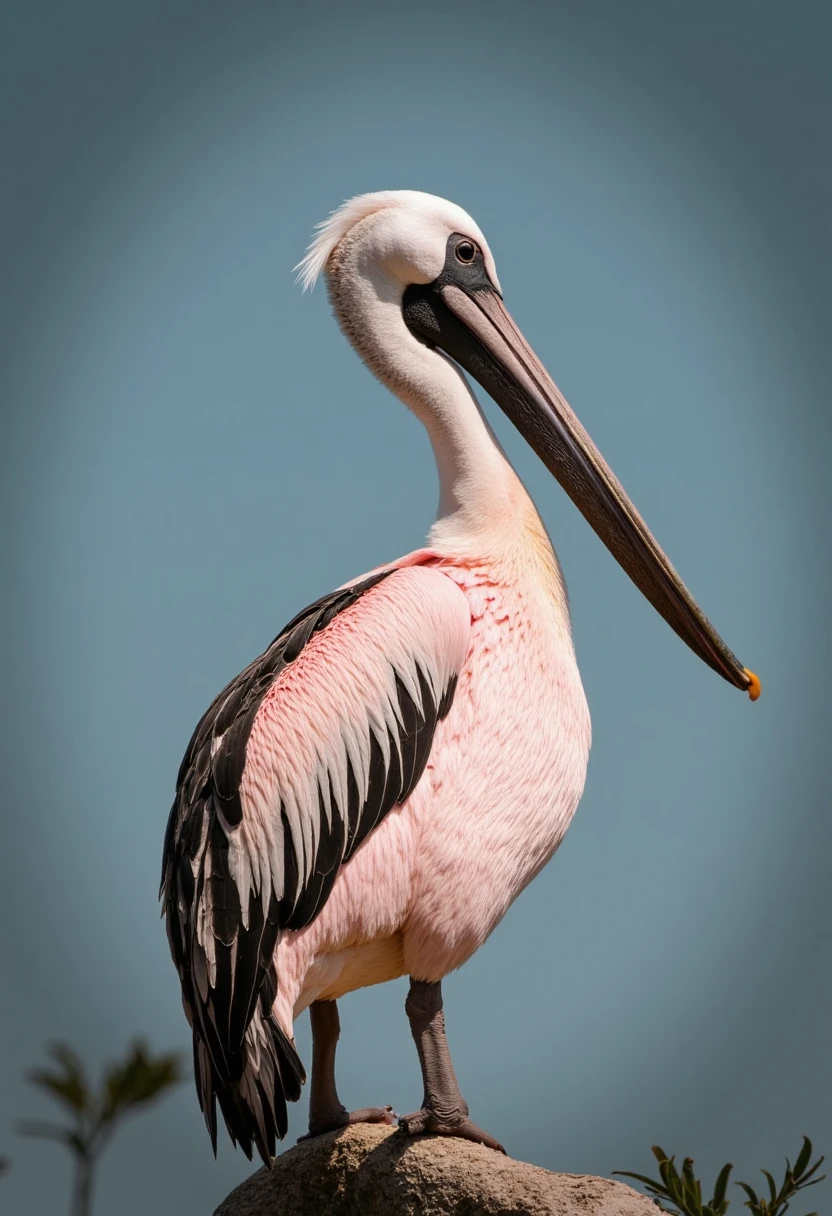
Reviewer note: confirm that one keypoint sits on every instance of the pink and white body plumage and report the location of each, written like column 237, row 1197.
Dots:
column 367, row 799
column 433, row 880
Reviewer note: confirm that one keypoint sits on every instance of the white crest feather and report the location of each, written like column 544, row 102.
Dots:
column 333, row 229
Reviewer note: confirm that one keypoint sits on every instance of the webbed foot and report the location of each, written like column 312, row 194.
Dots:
column 427, row 1121
column 344, row 1118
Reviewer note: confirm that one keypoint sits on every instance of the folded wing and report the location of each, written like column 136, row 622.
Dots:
column 294, row 764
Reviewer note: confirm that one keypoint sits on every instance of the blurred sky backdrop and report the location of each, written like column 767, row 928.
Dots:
column 191, row 453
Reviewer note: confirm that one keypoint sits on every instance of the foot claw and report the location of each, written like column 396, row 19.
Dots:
column 426, row 1121
column 345, row 1118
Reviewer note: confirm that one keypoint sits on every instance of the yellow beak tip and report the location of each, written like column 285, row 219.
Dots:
column 754, row 687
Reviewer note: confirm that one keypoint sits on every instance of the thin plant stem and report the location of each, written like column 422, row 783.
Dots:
column 82, row 1189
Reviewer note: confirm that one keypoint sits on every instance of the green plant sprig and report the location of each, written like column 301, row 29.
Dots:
column 128, row 1084
column 683, row 1190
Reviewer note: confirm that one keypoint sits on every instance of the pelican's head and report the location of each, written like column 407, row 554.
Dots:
column 406, row 238
column 419, row 267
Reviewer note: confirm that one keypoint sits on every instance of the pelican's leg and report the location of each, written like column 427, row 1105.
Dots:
column 325, row 1110
column 444, row 1109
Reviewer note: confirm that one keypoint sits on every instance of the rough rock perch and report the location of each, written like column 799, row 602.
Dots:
column 369, row 1170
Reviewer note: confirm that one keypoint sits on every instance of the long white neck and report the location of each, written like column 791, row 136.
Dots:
column 480, row 495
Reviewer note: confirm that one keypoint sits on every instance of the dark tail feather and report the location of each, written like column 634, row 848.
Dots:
column 205, row 1089
column 254, row 1104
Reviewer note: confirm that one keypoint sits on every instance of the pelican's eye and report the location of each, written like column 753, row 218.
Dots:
column 466, row 251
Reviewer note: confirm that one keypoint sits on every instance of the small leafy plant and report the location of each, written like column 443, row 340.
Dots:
column 683, row 1191
column 131, row 1083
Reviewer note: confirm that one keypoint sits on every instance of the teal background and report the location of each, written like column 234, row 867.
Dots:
column 191, row 452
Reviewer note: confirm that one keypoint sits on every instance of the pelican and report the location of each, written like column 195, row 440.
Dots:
column 368, row 797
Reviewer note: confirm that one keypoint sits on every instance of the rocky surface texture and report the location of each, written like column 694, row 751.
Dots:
column 370, row 1170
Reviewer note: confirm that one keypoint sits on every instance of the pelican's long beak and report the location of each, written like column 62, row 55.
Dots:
column 463, row 314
